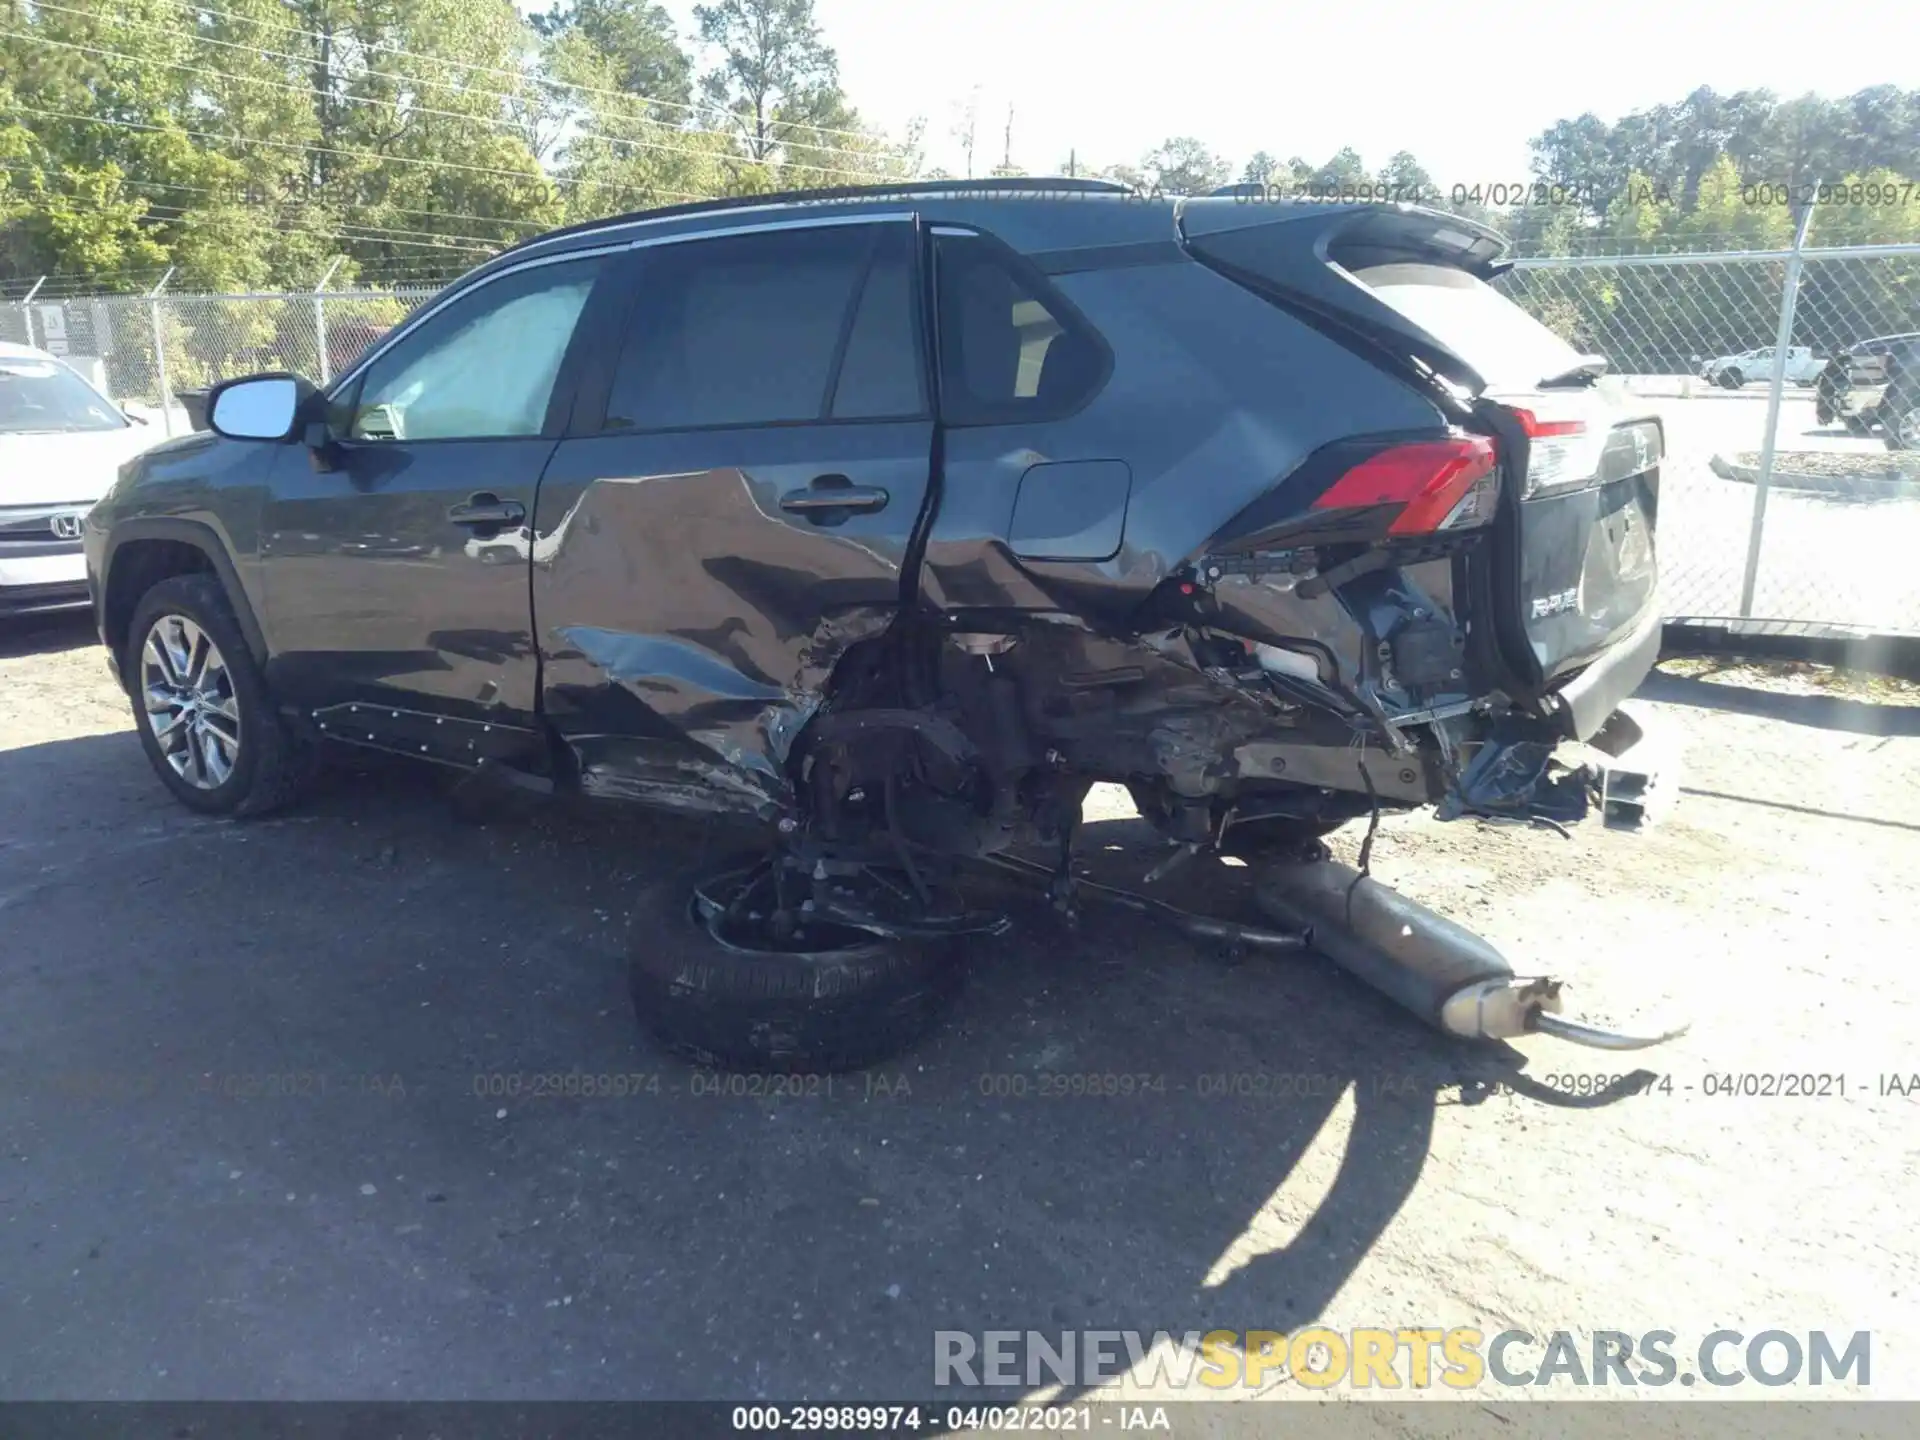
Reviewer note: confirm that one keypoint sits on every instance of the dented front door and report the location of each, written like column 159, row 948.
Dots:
column 733, row 506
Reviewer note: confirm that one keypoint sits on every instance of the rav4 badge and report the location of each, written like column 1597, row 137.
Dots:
column 1556, row 603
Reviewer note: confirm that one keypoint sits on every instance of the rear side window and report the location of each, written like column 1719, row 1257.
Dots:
column 1011, row 351
column 752, row 330
column 1496, row 337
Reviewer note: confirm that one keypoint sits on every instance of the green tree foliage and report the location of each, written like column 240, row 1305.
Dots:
column 255, row 144
column 261, row 144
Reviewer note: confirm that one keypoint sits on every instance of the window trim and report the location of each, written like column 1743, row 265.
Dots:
column 1070, row 317
column 588, row 420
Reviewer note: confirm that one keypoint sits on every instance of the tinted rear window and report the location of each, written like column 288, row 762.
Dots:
column 747, row 330
column 1496, row 337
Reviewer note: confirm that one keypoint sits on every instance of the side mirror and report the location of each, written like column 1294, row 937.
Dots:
column 259, row 407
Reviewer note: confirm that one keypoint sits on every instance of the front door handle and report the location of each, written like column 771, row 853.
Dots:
column 486, row 510
column 833, row 495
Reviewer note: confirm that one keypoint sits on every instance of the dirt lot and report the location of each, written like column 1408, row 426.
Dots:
column 257, row 1137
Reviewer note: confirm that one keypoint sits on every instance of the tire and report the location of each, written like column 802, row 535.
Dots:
column 1858, row 424
column 1732, row 380
column 265, row 765
column 725, row 1007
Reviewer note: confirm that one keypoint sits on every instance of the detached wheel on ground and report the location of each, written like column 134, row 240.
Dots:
column 200, row 704
column 716, row 982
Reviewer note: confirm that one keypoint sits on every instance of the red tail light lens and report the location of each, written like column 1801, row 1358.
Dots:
column 1537, row 428
column 1439, row 484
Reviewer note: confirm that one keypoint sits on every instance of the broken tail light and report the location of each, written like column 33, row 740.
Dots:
column 1571, row 454
column 1438, row 485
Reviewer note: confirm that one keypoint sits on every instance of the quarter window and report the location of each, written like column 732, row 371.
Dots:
column 1010, row 350
column 484, row 367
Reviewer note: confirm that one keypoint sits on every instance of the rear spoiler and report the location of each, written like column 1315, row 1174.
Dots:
column 1302, row 255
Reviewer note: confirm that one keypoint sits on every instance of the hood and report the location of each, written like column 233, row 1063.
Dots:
column 74, row 467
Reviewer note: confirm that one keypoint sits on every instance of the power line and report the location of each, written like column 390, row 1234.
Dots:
column 327, row 150
column 372, row 235
column 695, row 107
column 459, row 88
column 142, row 185
column 498, row 122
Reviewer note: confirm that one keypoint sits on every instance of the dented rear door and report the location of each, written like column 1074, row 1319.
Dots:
column 733, row 504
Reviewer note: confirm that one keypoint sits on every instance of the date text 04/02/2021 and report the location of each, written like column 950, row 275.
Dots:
column 909, row 1419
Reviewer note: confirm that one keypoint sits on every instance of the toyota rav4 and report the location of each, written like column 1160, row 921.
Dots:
column 894, row 521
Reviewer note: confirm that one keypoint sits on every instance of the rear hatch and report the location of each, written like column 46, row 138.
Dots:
column 1570, row 571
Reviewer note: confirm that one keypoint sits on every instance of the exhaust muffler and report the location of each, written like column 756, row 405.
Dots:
column 1442, row 972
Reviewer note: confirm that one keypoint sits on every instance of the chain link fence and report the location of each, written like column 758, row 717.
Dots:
column 1817, row 528
column 151, row 350
column 1776, row 506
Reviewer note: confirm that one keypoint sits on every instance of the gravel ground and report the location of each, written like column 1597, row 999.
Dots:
column 385, row 1223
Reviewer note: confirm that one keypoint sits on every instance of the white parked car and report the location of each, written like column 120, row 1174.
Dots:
column 61, row 444
column 1804, row 365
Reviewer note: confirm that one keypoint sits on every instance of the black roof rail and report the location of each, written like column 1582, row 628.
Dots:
column 1012, row 184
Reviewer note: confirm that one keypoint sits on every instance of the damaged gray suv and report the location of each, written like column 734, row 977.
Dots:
column 893, row 520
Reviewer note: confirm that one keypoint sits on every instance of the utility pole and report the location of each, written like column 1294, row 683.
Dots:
column 320, row 318
column 160, row 351
column 26, row 306
column 964, row 132
column 1006, row 152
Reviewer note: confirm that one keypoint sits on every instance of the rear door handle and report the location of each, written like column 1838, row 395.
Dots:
column 818, row 499
column 485, row 509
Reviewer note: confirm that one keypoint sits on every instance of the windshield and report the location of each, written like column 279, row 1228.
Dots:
column 1496, row 337
column 44, row 395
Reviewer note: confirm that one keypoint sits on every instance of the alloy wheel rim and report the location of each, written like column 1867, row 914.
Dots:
column 1907, row 427
column 190, row 707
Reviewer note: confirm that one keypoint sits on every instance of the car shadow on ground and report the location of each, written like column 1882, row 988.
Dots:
column 1825, row 712
column 46, row 634
column 351, row 1102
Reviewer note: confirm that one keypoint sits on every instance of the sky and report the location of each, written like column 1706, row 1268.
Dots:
column 1464, row 87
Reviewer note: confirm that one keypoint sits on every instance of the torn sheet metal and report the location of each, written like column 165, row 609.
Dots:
column 745, row 619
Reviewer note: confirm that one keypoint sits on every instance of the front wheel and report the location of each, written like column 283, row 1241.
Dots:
column 201, row 706
column 1732, row 380
column 1858, row 424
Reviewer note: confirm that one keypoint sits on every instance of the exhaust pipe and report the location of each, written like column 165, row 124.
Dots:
column 1442, row 972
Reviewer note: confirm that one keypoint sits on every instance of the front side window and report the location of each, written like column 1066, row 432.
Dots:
column 45, row 397
column 782, row 327
column 1009, row 351
column 482, row 368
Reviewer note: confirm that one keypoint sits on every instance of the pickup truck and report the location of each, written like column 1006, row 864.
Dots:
column 1733, row 371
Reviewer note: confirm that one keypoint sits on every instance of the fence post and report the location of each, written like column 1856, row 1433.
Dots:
column 1783, row 338
column 160, row 352
column 26, row 307
column 320, row 318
